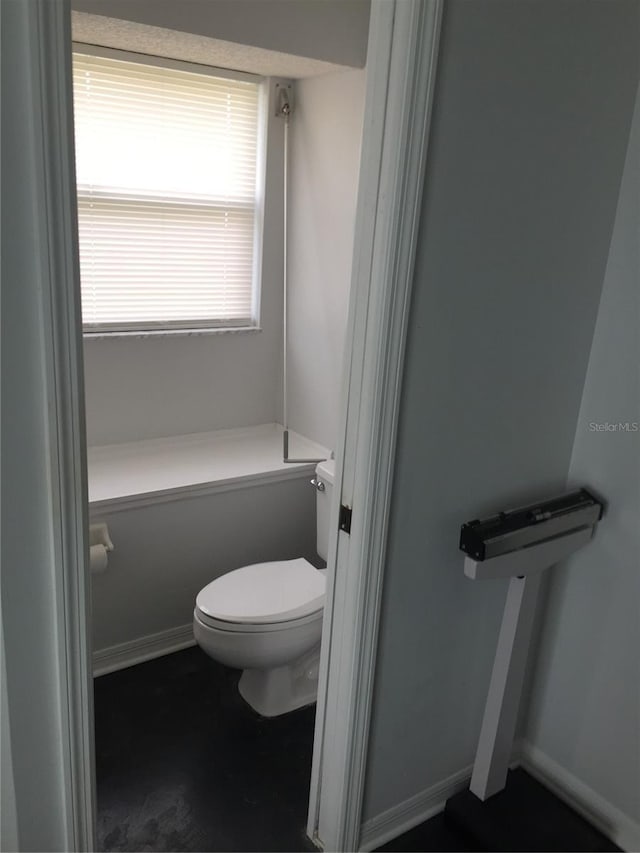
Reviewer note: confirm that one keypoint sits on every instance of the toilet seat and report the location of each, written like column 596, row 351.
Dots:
column 254, row 628
column 263, row 597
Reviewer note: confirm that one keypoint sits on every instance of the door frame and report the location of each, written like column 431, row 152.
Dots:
column 63, row 338
column 57, row 331
column 401, row 68
column 403, row 47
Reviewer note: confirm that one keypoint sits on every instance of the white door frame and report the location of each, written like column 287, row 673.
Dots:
column 402, row 56
column 47, row 64
column 63, row 330
column 403, row 43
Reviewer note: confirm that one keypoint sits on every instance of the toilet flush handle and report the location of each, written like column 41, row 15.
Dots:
column 318, row 484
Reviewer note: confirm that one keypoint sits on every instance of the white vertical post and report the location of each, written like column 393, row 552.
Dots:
column 501, row 711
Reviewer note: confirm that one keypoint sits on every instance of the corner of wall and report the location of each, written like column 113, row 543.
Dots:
column 583, row 730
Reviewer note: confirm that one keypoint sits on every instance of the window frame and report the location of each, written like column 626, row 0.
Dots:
column 153, row 328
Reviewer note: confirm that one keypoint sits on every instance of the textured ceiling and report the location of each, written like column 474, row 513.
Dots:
column 156, row 41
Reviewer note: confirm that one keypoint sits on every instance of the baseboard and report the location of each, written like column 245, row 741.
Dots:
column 403, row 817
column 619, row 827
column 142, row 649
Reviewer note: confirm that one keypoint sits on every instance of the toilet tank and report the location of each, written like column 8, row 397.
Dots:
column 325, row 474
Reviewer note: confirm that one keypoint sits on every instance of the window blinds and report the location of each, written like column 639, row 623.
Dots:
column 168, row 203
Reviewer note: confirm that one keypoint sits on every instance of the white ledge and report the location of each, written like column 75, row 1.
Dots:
column 161, row 469
column 170, row 333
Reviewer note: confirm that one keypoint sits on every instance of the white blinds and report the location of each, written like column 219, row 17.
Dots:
column 167, row 195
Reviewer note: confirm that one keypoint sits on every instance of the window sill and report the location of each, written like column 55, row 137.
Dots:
column 172, row 333
column 158, row 470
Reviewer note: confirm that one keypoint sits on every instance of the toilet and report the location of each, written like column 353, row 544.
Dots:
column 266, row 619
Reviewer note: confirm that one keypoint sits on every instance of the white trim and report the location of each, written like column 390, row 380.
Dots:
column 53, row 131
column 172, row 333
column 8, row 807
column 421, row 807
column 198, row 490
column 412, row 812
column 160, row 470
column 403, row 41
column 610, row 820
column 604, row 816
column 141, row 649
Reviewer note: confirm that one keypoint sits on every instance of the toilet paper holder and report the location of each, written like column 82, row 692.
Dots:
column 99, row 535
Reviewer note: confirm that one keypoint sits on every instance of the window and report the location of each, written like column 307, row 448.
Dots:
column 169, row 196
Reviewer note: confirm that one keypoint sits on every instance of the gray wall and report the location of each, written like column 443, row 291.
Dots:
column 532, row 109
column 166, row 552
column 326, row 132
column 330, row 30
column 585, row 711
column 29, row 626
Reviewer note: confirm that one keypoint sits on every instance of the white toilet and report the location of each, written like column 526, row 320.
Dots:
column 266, row 619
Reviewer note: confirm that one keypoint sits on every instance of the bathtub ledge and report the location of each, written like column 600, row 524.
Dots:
column 140, row 473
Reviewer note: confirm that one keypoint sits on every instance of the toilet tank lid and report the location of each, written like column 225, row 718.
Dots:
column 263, row 593
column 327, row 470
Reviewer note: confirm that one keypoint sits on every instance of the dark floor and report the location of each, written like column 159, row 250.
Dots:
column 184, row 764
column 524, row 816
column 432, row 835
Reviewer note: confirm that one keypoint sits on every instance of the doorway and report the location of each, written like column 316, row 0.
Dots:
column 401, row 84
column 163, row 402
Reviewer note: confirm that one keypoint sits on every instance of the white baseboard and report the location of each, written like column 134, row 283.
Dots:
column 411, row 812
column 141, row 649
column 615, row 824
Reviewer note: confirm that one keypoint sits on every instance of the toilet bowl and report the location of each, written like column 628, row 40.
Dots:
column 266, row 619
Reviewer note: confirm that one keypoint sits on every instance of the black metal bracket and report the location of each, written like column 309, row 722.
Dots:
column 344, row 522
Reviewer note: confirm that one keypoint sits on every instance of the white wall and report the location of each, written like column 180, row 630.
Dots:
column 140, row 388
column 585, row 708
column 326, row 131
column 532, row 108
column 166, row 552
column 330, row 30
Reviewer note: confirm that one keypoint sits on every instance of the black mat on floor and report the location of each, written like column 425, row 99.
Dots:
column 184, row 764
